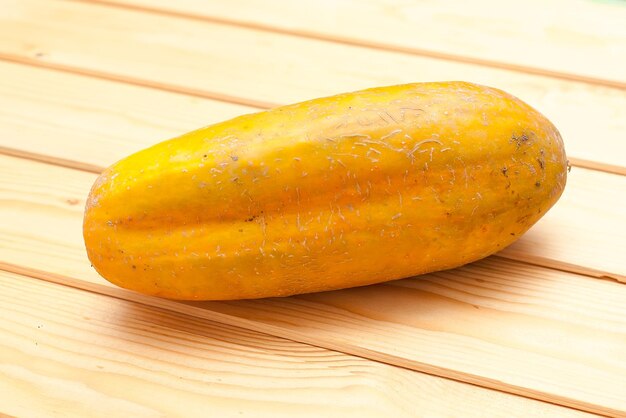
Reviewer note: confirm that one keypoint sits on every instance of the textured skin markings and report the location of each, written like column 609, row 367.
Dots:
column 342, row 191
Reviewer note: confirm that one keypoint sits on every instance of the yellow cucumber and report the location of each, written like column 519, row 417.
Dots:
column 341, row 191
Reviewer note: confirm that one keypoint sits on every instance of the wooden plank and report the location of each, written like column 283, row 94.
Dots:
column 67, row 352
column 582, row 39
column 54, row 114
column 496, row 323
column 554, row 242
column 257, row 66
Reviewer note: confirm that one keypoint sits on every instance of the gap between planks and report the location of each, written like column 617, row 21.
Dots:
column 563, row 266
column 92, row 168
column 48, row 159
column 302, row 337
column 205, row 94
column 261, row 105
column 366, row 44
column 97, row 169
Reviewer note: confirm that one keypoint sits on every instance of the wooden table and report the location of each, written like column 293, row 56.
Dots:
column 537, row 330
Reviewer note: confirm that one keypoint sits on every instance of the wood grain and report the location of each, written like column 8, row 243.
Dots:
column 497, row 323
column 67, row 352
column 51, row 113
column 258, row 66
column 563, row 38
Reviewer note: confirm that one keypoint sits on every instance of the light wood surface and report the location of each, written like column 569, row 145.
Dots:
column 81, row 354
column 56, row 114
column 471, row 324
column 86, row 82
column 580, row 39
column 174, row 54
